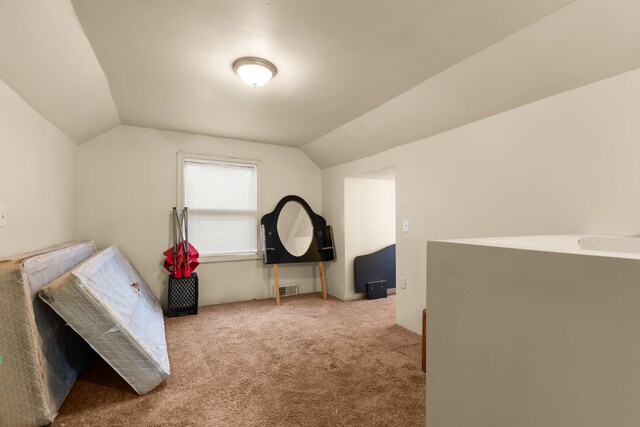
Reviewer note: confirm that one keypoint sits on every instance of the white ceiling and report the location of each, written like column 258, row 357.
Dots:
column 354, row 77
column 168, row 62
column 584, row 42
column 46, row 59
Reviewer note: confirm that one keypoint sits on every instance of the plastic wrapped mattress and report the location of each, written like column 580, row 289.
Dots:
column 109, row 305
column 40, row 357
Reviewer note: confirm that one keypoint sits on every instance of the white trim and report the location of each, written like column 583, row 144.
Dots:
column 205, row 158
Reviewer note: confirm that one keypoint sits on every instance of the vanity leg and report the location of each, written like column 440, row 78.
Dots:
column 324, row 284
column 277, row 285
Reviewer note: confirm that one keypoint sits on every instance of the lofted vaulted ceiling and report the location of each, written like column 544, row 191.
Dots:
column 354, row 77
column 584, row 42
column 46, row 59
column 168, row 62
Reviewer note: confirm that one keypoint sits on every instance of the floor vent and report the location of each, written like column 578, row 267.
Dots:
column 289, row 289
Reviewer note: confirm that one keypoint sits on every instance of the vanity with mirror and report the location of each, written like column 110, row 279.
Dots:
column 293, row 233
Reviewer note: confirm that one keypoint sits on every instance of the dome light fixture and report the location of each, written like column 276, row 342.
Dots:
column 254, row 71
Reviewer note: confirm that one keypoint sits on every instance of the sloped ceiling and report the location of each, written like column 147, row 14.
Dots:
column 354, row 78
column 584, row 42
column 46, row 59
column 168, row 62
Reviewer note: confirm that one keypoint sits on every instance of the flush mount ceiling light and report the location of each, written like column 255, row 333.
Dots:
column 253, row 71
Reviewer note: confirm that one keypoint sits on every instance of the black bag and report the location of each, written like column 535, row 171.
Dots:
column 377, row 289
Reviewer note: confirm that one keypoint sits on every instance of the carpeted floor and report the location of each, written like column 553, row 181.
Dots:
column 308, row 362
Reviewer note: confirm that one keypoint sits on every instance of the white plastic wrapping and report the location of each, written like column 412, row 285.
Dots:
column 40, row 357
column 109, row 305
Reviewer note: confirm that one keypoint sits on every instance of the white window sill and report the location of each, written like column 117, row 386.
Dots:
column 228, row 258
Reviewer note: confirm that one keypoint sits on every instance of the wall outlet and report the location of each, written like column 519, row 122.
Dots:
column 405, row 225
column 3, row 215
column 403, row 283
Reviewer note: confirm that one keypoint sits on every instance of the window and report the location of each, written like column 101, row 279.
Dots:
column 222, row 197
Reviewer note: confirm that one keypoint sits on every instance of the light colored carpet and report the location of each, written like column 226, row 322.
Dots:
column 307, row 362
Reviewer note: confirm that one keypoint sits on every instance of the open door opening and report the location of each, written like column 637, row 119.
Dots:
column 370, row 230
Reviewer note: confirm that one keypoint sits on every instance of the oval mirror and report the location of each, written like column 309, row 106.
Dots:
column 295, row 228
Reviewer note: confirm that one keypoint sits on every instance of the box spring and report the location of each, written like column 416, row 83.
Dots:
column 40, row 357
column 106, row 301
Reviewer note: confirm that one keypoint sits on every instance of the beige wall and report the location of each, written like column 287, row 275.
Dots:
column 563, row 165
column 127, row 186
column 37, row 178
column 531, row 338
column 370, row 217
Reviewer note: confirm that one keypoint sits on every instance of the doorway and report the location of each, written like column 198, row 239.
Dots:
column 370, row 219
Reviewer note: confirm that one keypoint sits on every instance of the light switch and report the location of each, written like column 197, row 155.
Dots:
column 403, row 283
column 405, row 225
column 3, row 215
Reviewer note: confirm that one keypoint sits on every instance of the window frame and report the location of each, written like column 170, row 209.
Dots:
column 205, row 158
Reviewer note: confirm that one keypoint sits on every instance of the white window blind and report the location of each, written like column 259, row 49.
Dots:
column 222, row 199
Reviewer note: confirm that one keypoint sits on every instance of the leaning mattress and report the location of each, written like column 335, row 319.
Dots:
column 109, row 305
column 40, row 357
